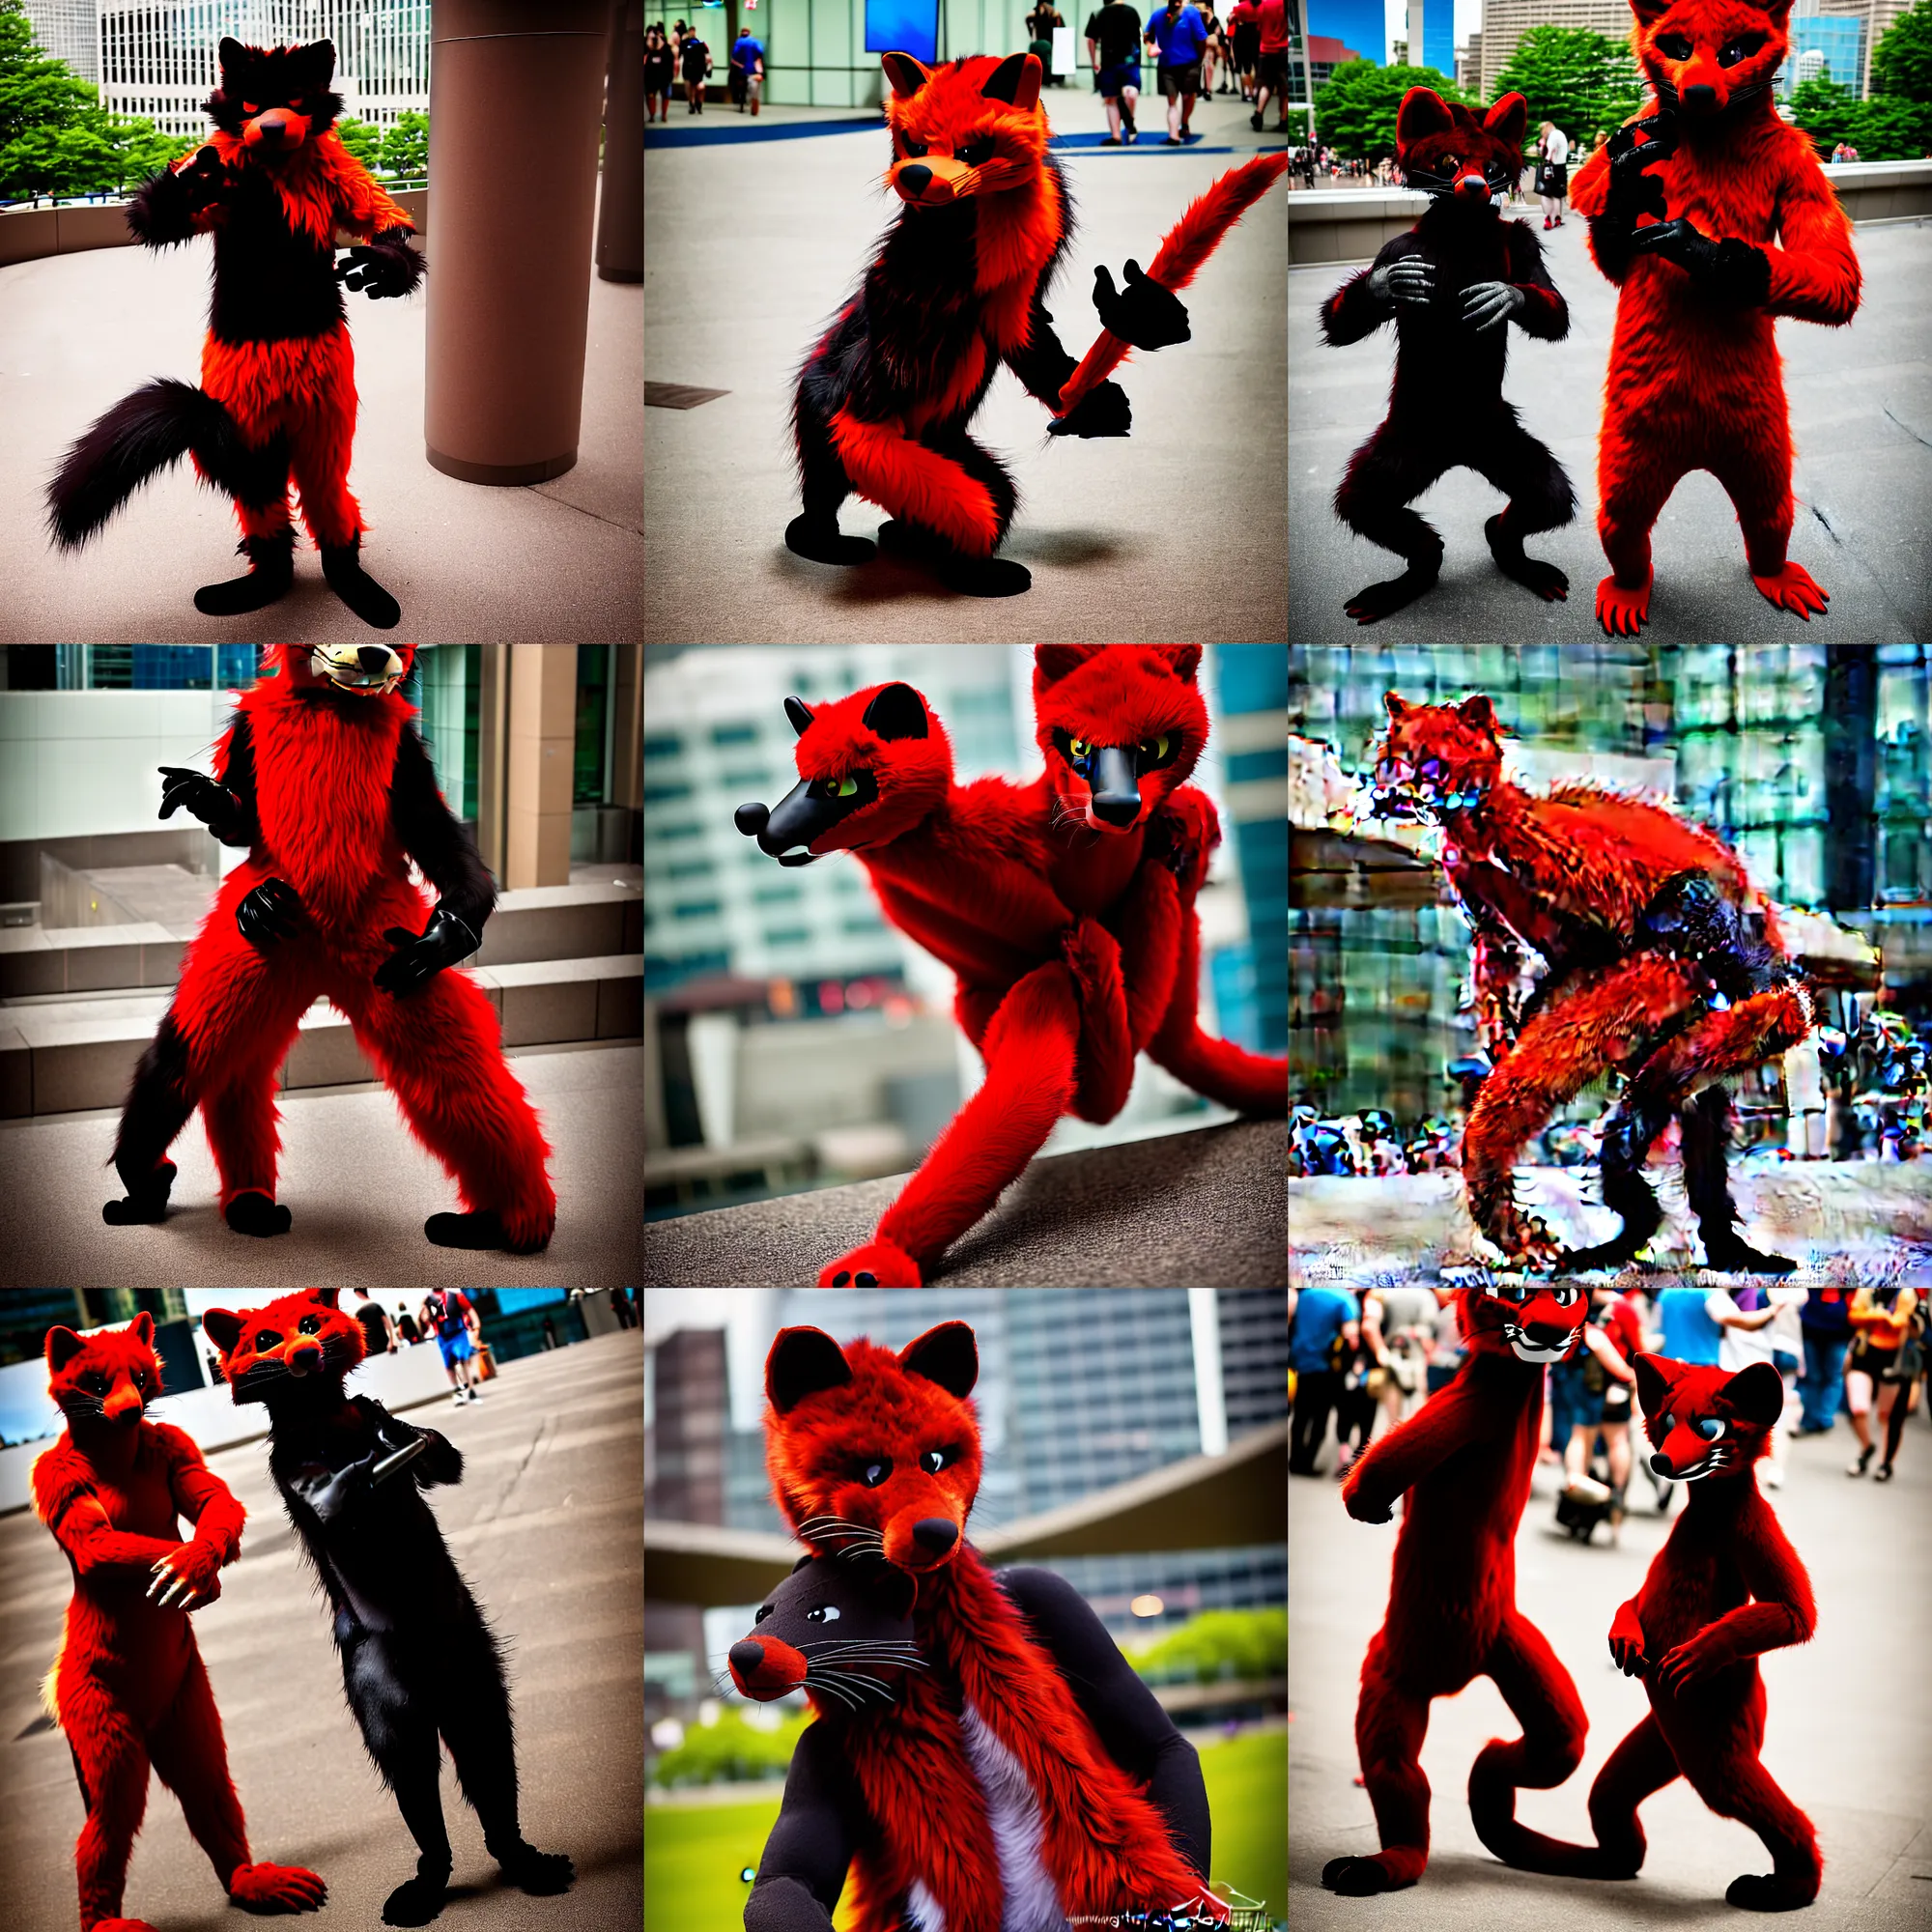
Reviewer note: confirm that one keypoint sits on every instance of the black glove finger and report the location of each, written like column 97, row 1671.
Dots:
column 1104, row 285
column 399, row 936
column 1131, row 274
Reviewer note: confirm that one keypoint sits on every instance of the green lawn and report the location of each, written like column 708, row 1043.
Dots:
column 692, row 1854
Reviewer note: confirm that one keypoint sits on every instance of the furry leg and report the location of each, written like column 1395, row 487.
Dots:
column 439, row 1051
column 160, row 1100
column 1539, row 1691
column 1390, row 1724
column 1749, row 1793
column 1540, row 499
column 1251, row 1083
column 823, row 483
column 111, row 1762
column 400, row 1736
column 1633, row 483
column 1148, row 924
column 1386, row 474
column 1758, row 482
column 1029, row 1049
column 1104, row 1063
column 1643, row 1764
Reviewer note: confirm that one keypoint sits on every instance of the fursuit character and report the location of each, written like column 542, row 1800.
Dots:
column 324, row 779
column 1065, row 907
column 1660, row 959
column 957, row 286
column 277, row 393
column 1022, row 1776
column 1724, row 1589
column 1465, row 1461
column 129, row 1688
column 1685, row 205
column 418, row 1661
column 1452, row 285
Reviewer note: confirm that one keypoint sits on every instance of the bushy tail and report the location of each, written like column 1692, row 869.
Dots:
column 142, row 435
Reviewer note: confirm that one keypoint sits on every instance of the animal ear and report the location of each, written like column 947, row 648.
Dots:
column 233, row 55
column 1395, row 706
column 906, row 74
column 1507, row 119
column 1184, row 659
column 1053, row 662
column 800, row 717
column 805, row 1562
column 329, row 1297
column 319, row 62
column 898, row 711
column 223, row 1326
column 142, row 1328
column 1756, row 1393
column 1423, row 112
column 63, row 1346
column 1016, row 81
column 1653, row 1381
column 803, row 1362
column 893, row 1591
column 1478, row 712
column 946, row 1356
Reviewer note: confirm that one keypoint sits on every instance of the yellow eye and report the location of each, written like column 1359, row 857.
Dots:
column 1156, row 748
column 845, row 789
column 1080, row 748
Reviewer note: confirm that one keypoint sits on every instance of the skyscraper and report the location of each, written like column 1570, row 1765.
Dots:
column 70, row 31
column 1431, row 35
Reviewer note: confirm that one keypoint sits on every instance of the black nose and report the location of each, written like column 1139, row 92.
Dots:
column 936, row 1533
column 746, row 1657
column 1117, row 791
column 913, row 180
column 750, row 819
column 273, row 131
column 1701, row 96
column 373, row 657
column 1115, row 810
column 1546, row 1334
column 1659, row 1466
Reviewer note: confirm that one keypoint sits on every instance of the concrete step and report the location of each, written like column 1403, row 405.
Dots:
column 58, row 1056
column 538, row 923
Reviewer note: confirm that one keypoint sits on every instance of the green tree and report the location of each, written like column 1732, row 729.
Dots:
column 1901, row 63
column 39, row 96
column 1578, row 79
column 1355, row 107
column 1824, row 109
column 362, row 140
column 405, row 147
column 1219, row 1644
column 1888, row 128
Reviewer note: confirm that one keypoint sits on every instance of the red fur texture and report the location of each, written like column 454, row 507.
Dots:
column 1725, row 1588
column 1694, row 378
column 322, row 768
column 1104, row 1844
column 129, row 1688
column 1075, row 941
column 1465, row 1461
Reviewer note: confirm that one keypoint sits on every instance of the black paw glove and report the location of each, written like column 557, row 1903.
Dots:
column 1731, row 270
column 329, row 1491
column 419, row 957
column 1142, row 312
column 215, row 806
column 205, row 178
column 271, row 913
column 1103, row 410
column 386, row 267
column 1633, row 191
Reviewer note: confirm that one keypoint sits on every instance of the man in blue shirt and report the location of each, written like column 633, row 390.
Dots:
column 1321, row 1314
column 1179, row 37
column 748, row 68
column 1689, row 1335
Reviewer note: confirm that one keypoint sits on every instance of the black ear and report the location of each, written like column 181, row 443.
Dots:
column 803, row 1362
column 222, row 1328
column 1756, row 1393
column 946, row 1356
column 329, row 1297
column 805, row 1562
column 893, row 1591
column 898, row 711
column 800, row 717
column 233, row 55
column 1016, row 81
column 63, row 1346
column 318, row 61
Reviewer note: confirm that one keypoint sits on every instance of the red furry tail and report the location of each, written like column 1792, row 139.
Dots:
column 1188, row 245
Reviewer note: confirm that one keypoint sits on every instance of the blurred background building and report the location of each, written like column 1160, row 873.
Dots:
column 1811, row 760
column 792, row 1038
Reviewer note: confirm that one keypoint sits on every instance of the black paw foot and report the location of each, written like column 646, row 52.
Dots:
column 821, row 542
column 415, row 1902
column 1545, row 579
column 1760, row 1892
column 539, row 1873
column 483, row 1229
column 1381, row 599
column 150, row 1205
column 984, row 576
column 356, row 588
column 256, row 1215
column 271, row 571
column 1741, row 1257
column 1356, row 1877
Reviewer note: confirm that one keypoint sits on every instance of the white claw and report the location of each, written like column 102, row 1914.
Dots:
column 174, row 1589
column 160, row 1577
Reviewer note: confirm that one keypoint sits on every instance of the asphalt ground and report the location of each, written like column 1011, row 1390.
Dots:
column 560, row 562
column 1860, row 405
column 1178, row 530
column 1847, row 1732
column 545, row 1526
column 357, row 1182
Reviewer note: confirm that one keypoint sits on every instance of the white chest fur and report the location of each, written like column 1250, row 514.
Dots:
column 1032, row 1899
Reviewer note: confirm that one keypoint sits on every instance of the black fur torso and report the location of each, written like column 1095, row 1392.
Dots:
column 272, row 282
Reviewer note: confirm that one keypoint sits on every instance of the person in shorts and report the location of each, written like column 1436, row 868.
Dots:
column 694, row 59
column 1179, row 37
column 659, row 73
column 1270, row 64
column 451, row 1316
column 1113, row 48
column 748, row 70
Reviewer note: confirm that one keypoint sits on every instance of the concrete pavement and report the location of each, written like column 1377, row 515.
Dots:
column 545, row 1526
column 1847, row 1732
column 1861, row 425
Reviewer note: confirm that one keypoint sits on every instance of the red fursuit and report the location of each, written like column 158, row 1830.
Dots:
column 128, row 1689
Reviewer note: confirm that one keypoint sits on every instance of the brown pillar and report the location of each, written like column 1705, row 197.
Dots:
column 620, row 219
column 515, row 88
column 542, row 765
column 493, row 756
column 627, row 747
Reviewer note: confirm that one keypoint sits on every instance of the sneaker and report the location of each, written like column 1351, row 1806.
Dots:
column 1559, row 221
column 457, row 1398
column 475, row 1391
column 1255, row 122
column 1863, row 1462
column 1548, row 224
column 1884, row 1473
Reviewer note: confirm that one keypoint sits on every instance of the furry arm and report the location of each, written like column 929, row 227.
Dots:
column 1544, row 312
column 1354, row 310
column 1135, row 1732
column 1783, row 1612
column 64, row 1499
column 810, row 1850
column 1815, row 274
column 1040, row 363
column 172, row 206
column 434, row 839
column 201, row 1495
column 440, row 1462
column 1412, row 1450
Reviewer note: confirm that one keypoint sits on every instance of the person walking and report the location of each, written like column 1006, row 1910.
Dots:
column 1244, row 28
column 1179, row 37
column 1553, row 172
column 1688, row 1333
column 1322, row 1317
column 451, row 1316
column 695, row 63
column 1039, row 26
column 1826, row 1328
column 1210, row 54
column 1114, row 49
column 1743, row 1315
column 1361, row 1381
column 659, row 73
column 378, row 1332
column 1882, row 1327
column 1270, row 64
column 1399, row 1323
column 748, row 70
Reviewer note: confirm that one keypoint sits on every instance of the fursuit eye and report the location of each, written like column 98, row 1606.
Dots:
column 267, row 1337
column 1079, row 747
column 841, row 787
column 1450, row 163
column 1674, row 46
column 1156, row 748
column 1735, row 51
column 1710, row 1428
column 975, row 153
column 310, row 1325
column 1666, row 1422
column 874, row 1473
column 249, row 108
column 934, row 1461
column 825, row 1613
column 914, row 149
column 764, row 1610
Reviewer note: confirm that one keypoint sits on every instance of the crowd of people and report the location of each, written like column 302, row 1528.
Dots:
column 683, row 55
column 1549, row 175
column 1190, row 45
column 1366, row 1361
